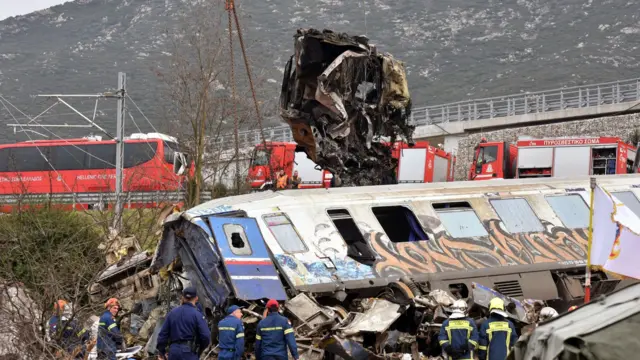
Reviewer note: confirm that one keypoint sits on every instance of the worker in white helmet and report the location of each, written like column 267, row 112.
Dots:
column 458, row 334
column 547, row 313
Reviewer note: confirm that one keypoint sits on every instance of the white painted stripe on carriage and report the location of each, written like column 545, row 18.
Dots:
column 247, row 259
column 242, row 277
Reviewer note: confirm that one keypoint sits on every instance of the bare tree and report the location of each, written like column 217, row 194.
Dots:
column 200, row 92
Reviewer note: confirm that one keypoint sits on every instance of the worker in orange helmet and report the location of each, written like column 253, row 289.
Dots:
column 58, row 308
column 109, row 335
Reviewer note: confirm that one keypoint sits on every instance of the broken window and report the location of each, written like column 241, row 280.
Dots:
column 571, row 209
column 517, row 216
column 237, row 239
column 357, row 246
column 459, row 219
column 399, row 223
column 629, row 199
column 285, row 234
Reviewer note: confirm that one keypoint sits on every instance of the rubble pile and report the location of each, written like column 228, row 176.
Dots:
column 339, row 95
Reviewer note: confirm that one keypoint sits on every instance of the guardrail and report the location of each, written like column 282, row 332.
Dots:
column 617, row 92
column 102, row 198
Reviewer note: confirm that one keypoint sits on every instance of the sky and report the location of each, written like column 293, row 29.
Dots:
column 10, row 8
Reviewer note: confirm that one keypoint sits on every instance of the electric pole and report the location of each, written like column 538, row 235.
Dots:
column 120, row 116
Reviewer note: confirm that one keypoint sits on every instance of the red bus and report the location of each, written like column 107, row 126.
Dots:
column 76, row 169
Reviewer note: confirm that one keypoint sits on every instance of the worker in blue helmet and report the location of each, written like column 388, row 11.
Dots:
column 184, row 330
column 231, row 335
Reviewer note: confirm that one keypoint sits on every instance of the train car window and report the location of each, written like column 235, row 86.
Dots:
column 399, row 223
column 139, row 153
column 629, row 199
column 459, row 219
column 237, row 239
column 517, row 216
column 28, row 159
column 285, row 234
column 103, row 156
column 357, row 247
column 571, row 209
column 68, row 157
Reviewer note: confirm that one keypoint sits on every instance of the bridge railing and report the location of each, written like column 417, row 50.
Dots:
column 576, row 97
column 617, row 92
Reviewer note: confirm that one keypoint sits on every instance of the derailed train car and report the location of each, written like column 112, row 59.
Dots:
column 341, row 246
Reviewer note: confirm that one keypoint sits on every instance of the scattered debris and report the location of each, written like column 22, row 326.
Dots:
column 338, row 96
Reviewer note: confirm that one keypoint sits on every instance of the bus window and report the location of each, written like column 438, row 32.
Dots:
column 103, row 156
column 139, row 153
column 68, row 157
column 28, row 159
column 170, row 148
column 4, row 159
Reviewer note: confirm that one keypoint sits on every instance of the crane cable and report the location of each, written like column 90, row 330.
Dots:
column 229, row 6
column 231, row 10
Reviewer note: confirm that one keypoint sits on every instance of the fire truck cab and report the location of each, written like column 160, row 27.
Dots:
column 419, row 163
column 558, row 157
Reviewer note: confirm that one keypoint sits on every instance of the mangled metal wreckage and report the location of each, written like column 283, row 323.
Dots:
column 338, row 96
column 361, row 278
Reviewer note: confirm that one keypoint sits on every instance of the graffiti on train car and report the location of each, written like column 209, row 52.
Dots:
column 500, row 248
column 439, row 254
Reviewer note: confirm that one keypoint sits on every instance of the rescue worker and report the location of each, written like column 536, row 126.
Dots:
column 547, row 313
column 295, row 180
column 71, row 336
column 497, row 333
column 184, row 331
column 58, row 308
column 281, row 183
column 458, row 334
column 273, row 335
column 231, row 335
column 109, row 336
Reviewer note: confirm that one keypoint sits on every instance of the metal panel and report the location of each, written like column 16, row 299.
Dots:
column 412, row 163
column 538, row 285
column 462, row 224
column 629, row 199
column 571, row 209
column 572, row 161
column 517, row 216
column 254, row 275
column 440, row 169
column 307, row 169
column 529, row 158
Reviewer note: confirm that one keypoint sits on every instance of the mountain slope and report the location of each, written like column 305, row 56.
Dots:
column 453, row 50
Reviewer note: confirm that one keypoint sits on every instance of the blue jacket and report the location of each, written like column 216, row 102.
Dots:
column 497, row 337
column 183, row 324
column 109, row 336
column 462, row 335
column 230, row 338
column 273, row 335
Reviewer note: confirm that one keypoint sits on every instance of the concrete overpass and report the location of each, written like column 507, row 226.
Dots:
column 448, row 123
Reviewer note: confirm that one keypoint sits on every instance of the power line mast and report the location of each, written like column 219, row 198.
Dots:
column 120, row 96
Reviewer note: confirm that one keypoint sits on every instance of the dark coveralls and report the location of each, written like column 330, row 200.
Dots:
column 109, row 337
column 72, row 335
column 497, row 336
column 184, row 325
column 273, row 336
column 230, row 338
column 462, row 335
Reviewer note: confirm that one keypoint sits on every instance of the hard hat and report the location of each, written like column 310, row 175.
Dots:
column 272, row 304
column 573, row 307
column 547, row 313
column 458, row 309
column 59, row 305
column 111, row 302
column 496, row 306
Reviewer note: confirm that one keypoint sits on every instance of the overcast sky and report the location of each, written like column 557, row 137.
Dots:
column 20, row 7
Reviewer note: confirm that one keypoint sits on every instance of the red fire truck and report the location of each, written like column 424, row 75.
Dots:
column 417, row 164
column 69, row 171
column 557, row 157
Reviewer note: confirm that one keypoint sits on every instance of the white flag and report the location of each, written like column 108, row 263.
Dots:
column 616, row 236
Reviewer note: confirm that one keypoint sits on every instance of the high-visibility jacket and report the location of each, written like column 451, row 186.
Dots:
column 462, row 335
column 230, row 338
column 273, row 336
column 497, row 337
column 282, row 182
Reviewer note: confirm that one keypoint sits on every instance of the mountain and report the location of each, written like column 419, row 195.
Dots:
column 454, row 50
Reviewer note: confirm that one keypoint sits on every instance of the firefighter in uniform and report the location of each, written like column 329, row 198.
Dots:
column 184, row 330
column 109, row 336
column 67, row 333
column 274, row 335
column 458, row 334
column 497, row 333
column 231, row 335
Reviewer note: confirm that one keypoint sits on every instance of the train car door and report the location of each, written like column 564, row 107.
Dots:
column 249, row 266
